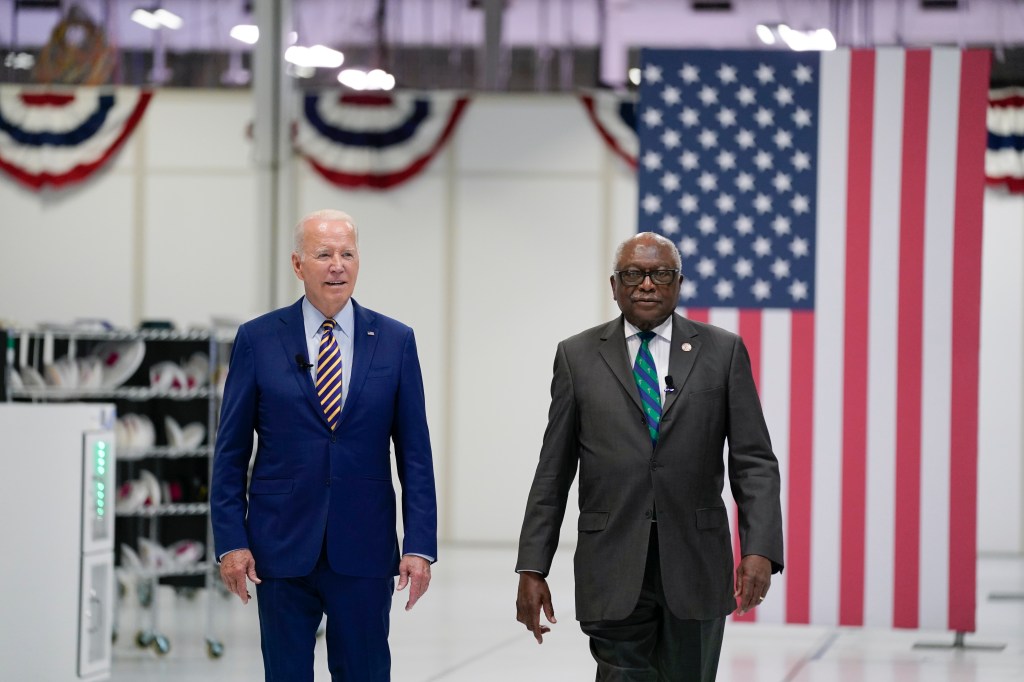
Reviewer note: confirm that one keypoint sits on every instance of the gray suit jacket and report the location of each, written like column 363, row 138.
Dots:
column 595, row 424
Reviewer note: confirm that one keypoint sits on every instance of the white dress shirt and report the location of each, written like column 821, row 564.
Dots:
column 344, row 333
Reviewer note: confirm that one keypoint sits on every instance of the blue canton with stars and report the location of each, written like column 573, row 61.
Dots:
column 728, row 170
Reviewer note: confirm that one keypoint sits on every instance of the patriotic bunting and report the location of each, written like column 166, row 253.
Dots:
column 614, row 116
column 61, row 137
column 1004, row 158
column 828, row 208
column 378, row 140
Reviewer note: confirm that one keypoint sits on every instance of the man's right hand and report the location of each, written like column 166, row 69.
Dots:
column 533, row 596
column 235, row 567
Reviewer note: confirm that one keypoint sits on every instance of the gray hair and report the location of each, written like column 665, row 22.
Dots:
column 322, row 214
column 649, row 236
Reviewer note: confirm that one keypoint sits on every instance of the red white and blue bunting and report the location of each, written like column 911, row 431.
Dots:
column 614, row 116
column 60, row 137
column 375, row 140
column 1004, row 157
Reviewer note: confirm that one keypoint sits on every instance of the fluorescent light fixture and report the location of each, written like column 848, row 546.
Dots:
column 804, row 41
column 157, row 19
column 634, row 76
column 357, row 79
column 315, row 56
column 766, row 34
column 247, row 33
column 19, row 60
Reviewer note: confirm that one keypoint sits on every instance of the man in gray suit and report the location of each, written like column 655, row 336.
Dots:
column 643, row 405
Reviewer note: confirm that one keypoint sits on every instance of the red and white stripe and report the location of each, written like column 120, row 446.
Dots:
column 872, row 399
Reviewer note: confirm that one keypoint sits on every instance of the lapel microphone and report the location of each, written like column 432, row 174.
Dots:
column 670, row 386
column 301, row 362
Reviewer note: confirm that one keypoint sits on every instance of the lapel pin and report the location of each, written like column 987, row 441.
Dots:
column 371, row 333
column 687, row 347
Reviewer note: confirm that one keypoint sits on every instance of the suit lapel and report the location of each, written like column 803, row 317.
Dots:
column 613, row 350
column 292, row 334
column 364, row 331
column 680, row 361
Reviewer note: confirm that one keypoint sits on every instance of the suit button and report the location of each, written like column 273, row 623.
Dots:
column 647, row 514
column 334, row 438
column 329, row 484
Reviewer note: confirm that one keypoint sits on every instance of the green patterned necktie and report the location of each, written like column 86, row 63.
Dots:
column 646, row 376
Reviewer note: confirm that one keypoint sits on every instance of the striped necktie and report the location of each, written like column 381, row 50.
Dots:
column 646, row 377
column 328, row 374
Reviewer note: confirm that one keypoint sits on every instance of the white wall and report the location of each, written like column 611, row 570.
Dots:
column 501, row 248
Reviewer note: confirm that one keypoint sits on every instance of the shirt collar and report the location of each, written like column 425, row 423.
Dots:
column 664, row 330
column 313, row 319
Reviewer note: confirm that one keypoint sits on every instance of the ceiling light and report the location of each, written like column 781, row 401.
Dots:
column 315, row 56
column 357, row 79
column 146, row 18
column 634, row 76
column 247, row 33
column 157, row 19
column 766, row 34
column 168, row 19
column 803, row 41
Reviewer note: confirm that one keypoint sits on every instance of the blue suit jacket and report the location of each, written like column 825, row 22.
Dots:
column 310, row 487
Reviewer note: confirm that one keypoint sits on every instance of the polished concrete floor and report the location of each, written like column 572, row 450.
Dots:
column 464, row 630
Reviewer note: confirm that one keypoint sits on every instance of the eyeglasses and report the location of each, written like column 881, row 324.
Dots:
column 632, row 278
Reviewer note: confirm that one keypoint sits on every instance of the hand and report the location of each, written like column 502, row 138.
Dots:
column 415, row 571
column 533, row 596
column 753, row 578
column 235, row 568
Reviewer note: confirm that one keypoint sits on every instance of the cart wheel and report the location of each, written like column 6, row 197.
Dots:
column 161, row 644
column 145, row 592
column 214, row 649
column 144, row 638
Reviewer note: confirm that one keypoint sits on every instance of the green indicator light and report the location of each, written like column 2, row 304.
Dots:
column 101, row 471
column 99, row 495
column 99, row 486
column 101, row 445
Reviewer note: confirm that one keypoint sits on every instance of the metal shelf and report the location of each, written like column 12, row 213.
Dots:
column 174, row 571
column 136, row 393
column 118, row 334
column 161, row 452
column 188, row 509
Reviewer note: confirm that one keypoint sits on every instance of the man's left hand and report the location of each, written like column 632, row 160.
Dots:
column 414, row 571
column 753, row 578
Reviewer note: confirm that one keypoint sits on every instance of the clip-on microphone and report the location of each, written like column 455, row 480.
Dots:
column 301, row 362
column 670, row 386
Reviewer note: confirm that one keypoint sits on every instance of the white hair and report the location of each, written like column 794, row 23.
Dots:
column 648, row 236
column 323, row 214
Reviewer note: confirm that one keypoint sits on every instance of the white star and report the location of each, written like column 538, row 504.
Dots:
column 689, row 159
column 782, row 183
column 669, row 224
column 781, row 225
column 745, row 139
column 761, row 289
column 723, row 289
column 801, row 160
column 744, row 225
column 724, row 246
column 763, row 160
column 745, row 181
column 765, row 74
column 670, row 182
column 798, row 290
column 727, row 73
column 762, row 246
column 743, row 268
column 800, row 204
column 670, row 138
column 707, row 225
column 784, row 96
column 670, row 95
column 688, row 246
column 763, row 203
column 780, row 268
column 652, row 73
column 651, row 117
column 706, row 267
column 708, row 138
column 799, row 247
column 726, row 117
column 783, row 139
column 689, row 289
column 746, row 95
column 707, row 181
column 801, row 117
column 689, row 73
column 688, row 203
column 651, row 204
column 726, row 160
column 689, row 117
column 725, row 203
column 764, row 117
column 803, row 74
column 708, row 95
column 651, row 160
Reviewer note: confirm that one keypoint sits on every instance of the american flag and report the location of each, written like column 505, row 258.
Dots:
column 828, row 208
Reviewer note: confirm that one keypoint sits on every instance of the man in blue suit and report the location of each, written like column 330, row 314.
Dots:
column 327, row 386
